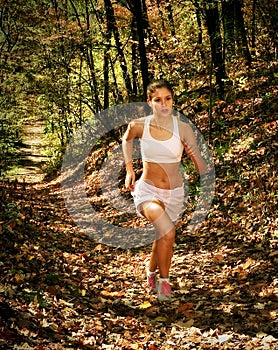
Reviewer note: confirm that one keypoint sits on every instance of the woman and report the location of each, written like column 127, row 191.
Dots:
column 159, row 194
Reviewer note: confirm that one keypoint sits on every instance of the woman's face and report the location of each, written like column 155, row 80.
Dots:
column 161, row 102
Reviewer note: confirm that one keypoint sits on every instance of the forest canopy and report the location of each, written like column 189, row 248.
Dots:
column 62, row 61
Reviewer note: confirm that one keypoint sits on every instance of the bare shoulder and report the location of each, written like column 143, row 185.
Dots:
column 135, row 127
column 136, row 123
column 184, row 127
column 186, row 132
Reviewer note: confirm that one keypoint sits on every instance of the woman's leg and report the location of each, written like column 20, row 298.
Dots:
column 153, row 264
column 162, row 250
column 162, row 253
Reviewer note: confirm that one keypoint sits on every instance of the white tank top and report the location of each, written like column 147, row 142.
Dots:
column 157, row 151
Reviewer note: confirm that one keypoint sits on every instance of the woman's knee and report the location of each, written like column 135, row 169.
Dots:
column 168, row 238
column 152, row 210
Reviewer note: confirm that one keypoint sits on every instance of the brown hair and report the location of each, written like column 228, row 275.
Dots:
column 157, row 84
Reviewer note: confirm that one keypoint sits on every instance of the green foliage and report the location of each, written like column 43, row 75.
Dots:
column 9, row 136
column 53, row 165
column 11, row 219
column 60, row 61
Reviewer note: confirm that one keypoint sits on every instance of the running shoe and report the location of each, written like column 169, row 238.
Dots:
column 152, row 282
column 164, row 291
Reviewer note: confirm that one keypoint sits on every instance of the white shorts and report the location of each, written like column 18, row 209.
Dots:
column 173, row 199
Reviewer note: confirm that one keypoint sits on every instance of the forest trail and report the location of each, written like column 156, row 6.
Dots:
column 31, row 158
column 60, row 289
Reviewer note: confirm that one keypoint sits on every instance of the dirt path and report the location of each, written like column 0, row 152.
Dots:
column 31, row 157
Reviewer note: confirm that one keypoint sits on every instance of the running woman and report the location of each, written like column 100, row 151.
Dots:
column 159, row 193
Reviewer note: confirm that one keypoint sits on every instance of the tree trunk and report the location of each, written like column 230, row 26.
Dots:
column 228, row 15
column 107, row 35
column 111, row 21
column 106, row 80
column 140, row 20
column 87, row 52
column 213, row 26
column 200, row 30
column 91, row 61
column 134, row 57
column 241, row 32
column 253, row 30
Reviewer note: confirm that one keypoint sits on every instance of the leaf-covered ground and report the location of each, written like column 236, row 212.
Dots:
column 61, row 290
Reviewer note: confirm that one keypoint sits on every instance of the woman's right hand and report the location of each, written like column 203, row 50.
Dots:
column 130, row 180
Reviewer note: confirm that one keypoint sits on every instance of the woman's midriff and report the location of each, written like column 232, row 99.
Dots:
column 166, row 175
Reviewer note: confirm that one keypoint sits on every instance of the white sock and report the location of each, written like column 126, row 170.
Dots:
column 164, row 279
column 150, row 273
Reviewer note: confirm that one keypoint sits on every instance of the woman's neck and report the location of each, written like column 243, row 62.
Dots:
column 162, row 121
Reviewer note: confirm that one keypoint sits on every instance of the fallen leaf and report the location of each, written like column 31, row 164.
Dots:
column 107, row 294
column 160, row 319
column 189, row 323
column 145, row 305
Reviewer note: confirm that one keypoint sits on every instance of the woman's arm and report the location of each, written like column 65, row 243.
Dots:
column 132, row 132
column 189, row 142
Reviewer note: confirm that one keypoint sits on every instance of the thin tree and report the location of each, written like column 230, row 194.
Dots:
column 235, row 39
column 198, row 12
column 228, row 17
column 240, row 32
column 253, row 27
column 213, row 26
column 140, row 21
column 111, row 21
